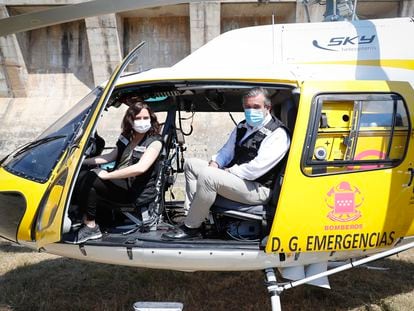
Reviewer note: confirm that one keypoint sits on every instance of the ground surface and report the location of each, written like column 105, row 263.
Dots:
column 34, row 281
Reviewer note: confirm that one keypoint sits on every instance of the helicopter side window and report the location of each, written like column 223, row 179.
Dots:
column 356, row 132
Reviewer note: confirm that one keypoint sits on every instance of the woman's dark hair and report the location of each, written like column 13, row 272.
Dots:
column 129, row 117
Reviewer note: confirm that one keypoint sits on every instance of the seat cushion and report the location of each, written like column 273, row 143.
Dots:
column 223, row 203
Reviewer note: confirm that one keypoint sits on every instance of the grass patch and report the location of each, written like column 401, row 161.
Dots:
column 34, row 281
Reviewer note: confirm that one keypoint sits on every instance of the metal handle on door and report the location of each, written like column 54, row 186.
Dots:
column 411, row 170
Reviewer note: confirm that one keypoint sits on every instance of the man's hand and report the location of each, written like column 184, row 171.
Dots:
column 213, row 164
column 102, row 174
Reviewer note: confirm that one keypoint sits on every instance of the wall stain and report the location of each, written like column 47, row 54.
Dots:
column 66, row 41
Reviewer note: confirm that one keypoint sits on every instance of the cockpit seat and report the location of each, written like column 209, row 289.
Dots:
column 235, row 219
column 234, row 209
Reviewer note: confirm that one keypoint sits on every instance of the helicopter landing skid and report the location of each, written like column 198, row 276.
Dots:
column 275, row 289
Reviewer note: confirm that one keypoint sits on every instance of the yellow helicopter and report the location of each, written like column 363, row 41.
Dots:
column 345, row 191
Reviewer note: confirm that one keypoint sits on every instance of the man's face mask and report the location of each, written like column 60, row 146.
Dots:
column 254, row 117
column 142, row 126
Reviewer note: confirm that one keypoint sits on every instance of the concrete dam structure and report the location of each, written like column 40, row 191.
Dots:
column 44, row 72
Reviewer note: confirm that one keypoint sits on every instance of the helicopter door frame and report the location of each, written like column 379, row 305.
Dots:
column 51, row 211
column 331, row 198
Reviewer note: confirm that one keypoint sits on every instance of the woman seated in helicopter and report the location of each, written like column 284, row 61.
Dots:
column 133, row 178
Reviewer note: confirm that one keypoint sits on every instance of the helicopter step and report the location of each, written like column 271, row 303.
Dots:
column 158, row 306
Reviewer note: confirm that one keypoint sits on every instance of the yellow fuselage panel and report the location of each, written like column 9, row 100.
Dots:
column 353, row 208
column 32, row 192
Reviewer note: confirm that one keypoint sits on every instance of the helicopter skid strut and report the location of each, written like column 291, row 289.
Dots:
column 275, row 289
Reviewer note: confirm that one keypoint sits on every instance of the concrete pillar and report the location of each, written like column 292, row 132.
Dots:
column 120, row 24
column 407, row 8
column 204, row 22
column 104, row 45
column 13, row 71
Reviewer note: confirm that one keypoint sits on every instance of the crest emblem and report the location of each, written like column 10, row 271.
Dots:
column 344, row 201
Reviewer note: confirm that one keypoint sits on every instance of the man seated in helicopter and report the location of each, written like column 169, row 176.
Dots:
column 133, row 179
column 243, row 170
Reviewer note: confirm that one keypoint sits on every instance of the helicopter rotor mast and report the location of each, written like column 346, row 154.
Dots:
column 340, row 10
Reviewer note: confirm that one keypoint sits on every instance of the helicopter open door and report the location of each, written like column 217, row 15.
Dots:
column 348, row 183
column 50, row 214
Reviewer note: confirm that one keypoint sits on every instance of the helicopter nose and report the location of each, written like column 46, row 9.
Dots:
column 12, row 209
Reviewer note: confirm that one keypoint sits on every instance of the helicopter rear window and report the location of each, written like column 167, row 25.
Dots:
column 356, row 132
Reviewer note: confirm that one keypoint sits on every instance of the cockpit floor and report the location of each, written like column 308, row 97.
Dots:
column 153, row 239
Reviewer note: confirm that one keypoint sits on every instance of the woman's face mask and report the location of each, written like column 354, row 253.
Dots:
column 254, row 117
column 142, row 126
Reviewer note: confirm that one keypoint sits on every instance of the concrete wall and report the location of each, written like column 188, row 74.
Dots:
column 240, row 15
column 167, row 39
column 58, row 56
column 43, row 72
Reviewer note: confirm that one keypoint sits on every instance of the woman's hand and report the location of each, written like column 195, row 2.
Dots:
column 102, row 174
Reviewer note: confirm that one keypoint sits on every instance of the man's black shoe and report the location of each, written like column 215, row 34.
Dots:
column 182, row 233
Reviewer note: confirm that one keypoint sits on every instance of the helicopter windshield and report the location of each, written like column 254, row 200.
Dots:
column 36, row 160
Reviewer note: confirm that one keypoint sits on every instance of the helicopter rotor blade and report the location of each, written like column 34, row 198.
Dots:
column 68, row 13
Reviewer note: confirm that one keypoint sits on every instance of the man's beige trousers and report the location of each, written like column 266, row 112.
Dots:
column 203, row 183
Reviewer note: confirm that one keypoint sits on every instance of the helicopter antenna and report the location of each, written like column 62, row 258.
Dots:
column 334, row 9
column 354, row 10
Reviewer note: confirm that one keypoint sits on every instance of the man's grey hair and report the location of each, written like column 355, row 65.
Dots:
column 258, row 91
